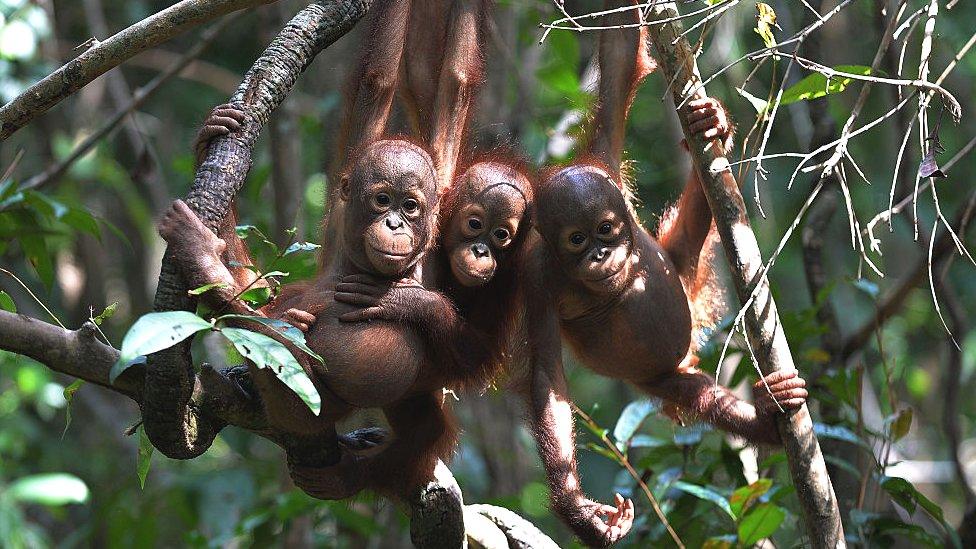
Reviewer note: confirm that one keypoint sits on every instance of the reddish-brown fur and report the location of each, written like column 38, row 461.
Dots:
column 620, row 298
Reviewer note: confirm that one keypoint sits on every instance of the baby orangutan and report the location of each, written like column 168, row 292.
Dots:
column 389, row 199
column 622, row 299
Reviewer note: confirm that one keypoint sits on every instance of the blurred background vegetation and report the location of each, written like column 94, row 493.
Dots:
column 85, row 240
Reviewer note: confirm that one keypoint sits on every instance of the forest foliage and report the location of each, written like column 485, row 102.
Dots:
column 890, row 358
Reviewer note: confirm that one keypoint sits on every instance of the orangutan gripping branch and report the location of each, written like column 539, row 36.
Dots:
column 619, row 297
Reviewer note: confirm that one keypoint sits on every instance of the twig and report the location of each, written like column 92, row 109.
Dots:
column 110, row 53
column 139, row 97
column 622, row 459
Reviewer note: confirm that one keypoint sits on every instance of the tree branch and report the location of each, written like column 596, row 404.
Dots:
column 104, row 56
column 764, row 328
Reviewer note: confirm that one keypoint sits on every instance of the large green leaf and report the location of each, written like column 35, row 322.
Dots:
column 265, row 352
column 49, row 489
column 760, row 523
column 816, row 85
column 707, row 494
column 155, row 332
column 291, row 333
column 907, row 496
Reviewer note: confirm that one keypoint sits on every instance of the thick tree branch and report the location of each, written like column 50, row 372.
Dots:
column 764, row 329
column 172, row 421
column 104, row 56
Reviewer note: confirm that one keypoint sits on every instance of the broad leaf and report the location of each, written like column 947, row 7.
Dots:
column 155, row 332
column 900, row 423
column 743, row 498
column 707, row 494
column 816, row 85
column 291, row 333
column 265, row 352
column 49, row 489
column 630, row 420
column 301, row 247
column 760, row 523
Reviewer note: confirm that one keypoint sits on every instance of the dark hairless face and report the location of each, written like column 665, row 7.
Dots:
column 390, row 195
column 493, row 199
column 583, row 217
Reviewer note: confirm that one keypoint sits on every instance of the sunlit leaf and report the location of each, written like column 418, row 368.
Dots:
column 53, row 489
column 765, row 23
column 743, row 498
column 761, row 105
column 707, row 494
column 761, row 522
column 155, row 332
column 265, row 352
column 107, row 313
column 298, row 247
column 291, row 333
column 816, row 85
column 207, row 287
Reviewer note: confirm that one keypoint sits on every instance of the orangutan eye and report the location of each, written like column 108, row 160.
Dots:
column 475, row 224
column 382, row 199
column 605, row 228
column 411, row 205
column 577, row 239
column 501, row 234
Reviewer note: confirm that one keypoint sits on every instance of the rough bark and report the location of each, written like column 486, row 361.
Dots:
column 112, row 52
column 172, row 420
column 764, row 329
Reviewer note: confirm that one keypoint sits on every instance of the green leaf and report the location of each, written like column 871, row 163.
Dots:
column 707, row 494
column 301, row 247
column 760, row 523
column 53, row 489
column 907, row 496
column 144, row 457
column 291, row 333
column 268, row 353
column 900, row 423
column 816, row 85
column 7, row 302
column 82, row 220
column 901, row 491
column 257, row 296
column 155, row 332
column 207, row 287
column 274, row 273
column 108, row 313
column 743, row 498
column 69, row 394
column 35, row 248
column 630, row 420
column 641, row 440
column 911, row 532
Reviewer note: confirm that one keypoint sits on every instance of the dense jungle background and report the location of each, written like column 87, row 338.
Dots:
column 890, row 384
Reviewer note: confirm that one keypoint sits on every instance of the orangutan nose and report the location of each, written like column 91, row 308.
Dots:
column 394, row 222
column 599, row 254
column 480, row 250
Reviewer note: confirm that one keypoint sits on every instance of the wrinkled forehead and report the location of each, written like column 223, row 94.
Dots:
column 579, row 192
column 401, row 163
column 500, row 189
